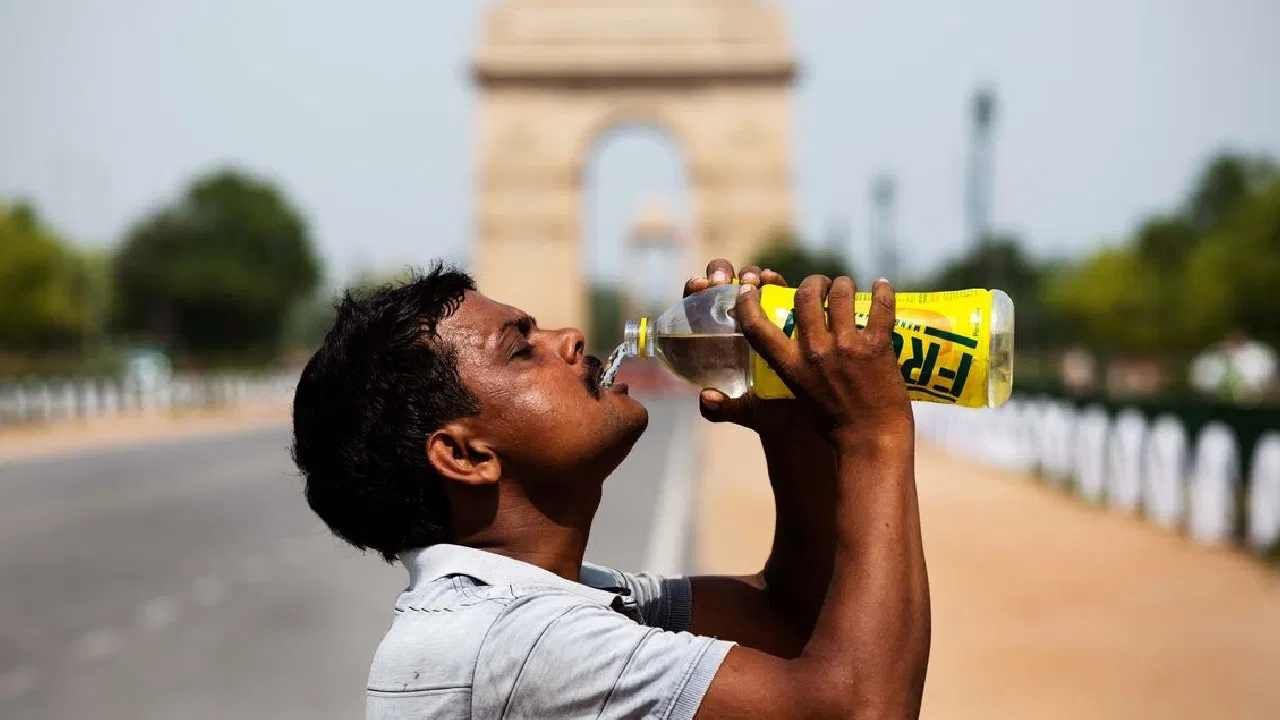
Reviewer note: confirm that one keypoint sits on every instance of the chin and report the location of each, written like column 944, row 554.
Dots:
column 627, row 422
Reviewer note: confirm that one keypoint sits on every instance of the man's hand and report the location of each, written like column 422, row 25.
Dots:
column 770, row 418
column 848, row 376
column 868, row 651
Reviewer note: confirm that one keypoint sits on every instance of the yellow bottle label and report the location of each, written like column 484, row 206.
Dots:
column 942, row 339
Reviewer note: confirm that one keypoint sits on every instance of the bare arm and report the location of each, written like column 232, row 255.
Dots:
column 868, row 650
column 774, row 609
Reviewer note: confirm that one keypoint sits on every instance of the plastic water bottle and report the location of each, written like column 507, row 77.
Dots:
column 952, row 347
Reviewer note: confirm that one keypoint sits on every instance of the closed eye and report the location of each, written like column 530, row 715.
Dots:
column 524, row 350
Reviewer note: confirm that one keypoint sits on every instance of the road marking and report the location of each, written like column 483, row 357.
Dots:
column 668, row 539
column 16, row 683
column 158, row 613
column 97, row 644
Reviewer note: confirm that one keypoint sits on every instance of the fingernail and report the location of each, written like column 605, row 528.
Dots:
column 719, row 276
column 710, row 399
column 744, row 289
column 751, row 278
column 883, row 280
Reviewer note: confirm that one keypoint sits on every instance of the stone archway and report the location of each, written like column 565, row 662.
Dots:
column 554, row 75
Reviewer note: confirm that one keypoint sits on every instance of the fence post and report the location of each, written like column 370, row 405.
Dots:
column 1264, row 493
column 1164, row 468
column 1124, row 462
column 1091, row 452
column 1214, row 479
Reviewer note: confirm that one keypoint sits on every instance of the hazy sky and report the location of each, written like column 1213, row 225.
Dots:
column 1106, row 110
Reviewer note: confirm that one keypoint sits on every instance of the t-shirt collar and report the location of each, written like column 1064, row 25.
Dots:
column 443, row 560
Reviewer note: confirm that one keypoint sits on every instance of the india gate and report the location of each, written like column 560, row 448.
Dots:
column 555, row 75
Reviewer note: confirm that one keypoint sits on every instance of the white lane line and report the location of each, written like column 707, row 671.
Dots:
column 208, row 591
column 97, row 644
column 16, row 683
column 667, row 542
column 158, row 613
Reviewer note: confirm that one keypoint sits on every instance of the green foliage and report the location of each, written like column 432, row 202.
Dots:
column 784, row 253
column 48, row 290
column 1233, row 275
column 1227, row 182
column 605, row 310
column 1111, row 303
column 217, row 273
column 1187, row 279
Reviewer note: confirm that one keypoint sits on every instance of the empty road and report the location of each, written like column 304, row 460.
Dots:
column 188, row 579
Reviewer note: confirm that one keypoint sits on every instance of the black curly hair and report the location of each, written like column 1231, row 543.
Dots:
column 381, row 382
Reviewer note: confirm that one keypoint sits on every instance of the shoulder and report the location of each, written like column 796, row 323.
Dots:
column 555, row 654
column 439, row 631
column 435, row 635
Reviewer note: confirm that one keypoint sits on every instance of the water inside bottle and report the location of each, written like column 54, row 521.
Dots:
column 721, row 361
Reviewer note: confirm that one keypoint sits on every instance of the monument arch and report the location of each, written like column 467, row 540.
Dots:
column 554, row 76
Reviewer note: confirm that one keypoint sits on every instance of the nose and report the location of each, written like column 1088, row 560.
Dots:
column 571, row 344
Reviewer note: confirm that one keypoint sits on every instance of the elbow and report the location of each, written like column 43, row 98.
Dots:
column 827, row 697
column 854, row 708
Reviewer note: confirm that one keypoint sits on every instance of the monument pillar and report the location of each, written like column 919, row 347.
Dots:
column 554, row 75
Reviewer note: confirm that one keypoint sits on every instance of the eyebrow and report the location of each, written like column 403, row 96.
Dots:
column 523, row 323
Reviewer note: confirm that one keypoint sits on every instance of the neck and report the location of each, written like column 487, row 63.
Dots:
column 549, row 533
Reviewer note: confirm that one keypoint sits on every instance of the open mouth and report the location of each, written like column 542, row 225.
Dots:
column 594, row 372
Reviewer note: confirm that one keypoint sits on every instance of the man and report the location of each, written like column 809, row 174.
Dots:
column 448, row 430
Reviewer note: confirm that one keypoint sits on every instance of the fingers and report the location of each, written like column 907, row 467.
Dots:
column 718, row 407
column 883, row 310
column 720, row 271
column 765, row 337
column 811, row 319
column 772, row 277
column 696, row 284
column 840, row 308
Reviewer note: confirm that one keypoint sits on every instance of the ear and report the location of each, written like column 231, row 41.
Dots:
column 458, row 455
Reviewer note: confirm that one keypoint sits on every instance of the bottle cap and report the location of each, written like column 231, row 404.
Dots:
column 636, row 337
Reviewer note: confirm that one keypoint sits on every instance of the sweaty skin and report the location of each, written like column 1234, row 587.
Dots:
column 837, row 623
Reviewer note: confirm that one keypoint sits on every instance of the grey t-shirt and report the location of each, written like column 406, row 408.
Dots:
column 479, row 635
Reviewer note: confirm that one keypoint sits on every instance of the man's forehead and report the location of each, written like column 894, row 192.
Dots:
column 478, row 318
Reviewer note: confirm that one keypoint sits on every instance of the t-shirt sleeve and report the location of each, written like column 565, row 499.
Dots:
column 553, row 656
column 664, row 602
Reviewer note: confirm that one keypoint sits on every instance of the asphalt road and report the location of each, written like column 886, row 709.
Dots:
column 189, row 580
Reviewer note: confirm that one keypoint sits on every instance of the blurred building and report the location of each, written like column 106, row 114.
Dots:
column 553, row 75
column 655, row 253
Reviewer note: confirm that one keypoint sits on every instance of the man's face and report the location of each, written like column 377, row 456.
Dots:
column 540, row 399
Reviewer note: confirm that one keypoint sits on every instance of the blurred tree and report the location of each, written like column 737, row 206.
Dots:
column 605, row 311
column 1111, row 303
column 49, row 293
column 1166, row 240
column 217, row 273
column 1233, row 275
column 1225, row 183
column 784, row 253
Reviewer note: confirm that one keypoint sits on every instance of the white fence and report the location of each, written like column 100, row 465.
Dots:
column 1133, row 465
column 35, row 402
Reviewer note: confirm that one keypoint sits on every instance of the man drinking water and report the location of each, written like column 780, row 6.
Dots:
column 447, row 430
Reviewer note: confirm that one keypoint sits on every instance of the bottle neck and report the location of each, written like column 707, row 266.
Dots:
column 638, row 338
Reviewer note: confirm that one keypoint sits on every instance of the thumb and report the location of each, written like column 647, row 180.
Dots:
column 718, row 407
